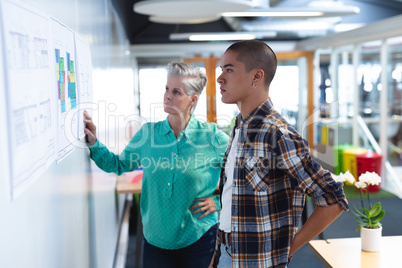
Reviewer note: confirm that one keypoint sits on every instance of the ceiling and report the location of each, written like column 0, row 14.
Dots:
column 140, row 30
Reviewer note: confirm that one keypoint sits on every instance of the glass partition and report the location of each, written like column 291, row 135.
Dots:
column 394, row 76
column 369, row 80
column 284, row 91
column 359, row 82
column 344, row 92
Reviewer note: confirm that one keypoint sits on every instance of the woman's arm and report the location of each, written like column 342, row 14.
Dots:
column 129, row 160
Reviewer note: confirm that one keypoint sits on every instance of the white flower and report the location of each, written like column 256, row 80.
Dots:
column 360, row 184
column 338, row 178
column 349, row 177
column 345, row 177
column 371, row 178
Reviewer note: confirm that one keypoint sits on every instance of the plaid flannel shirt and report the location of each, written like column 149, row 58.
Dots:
column 273, row 172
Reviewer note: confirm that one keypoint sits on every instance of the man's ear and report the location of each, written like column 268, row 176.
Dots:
column 258, row 75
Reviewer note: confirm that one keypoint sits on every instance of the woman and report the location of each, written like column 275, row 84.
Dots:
column 181, row 158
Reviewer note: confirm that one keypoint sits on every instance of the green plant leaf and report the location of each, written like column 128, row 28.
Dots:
column 378, row 217
column 367, row 212
column 359, row 217
column 357, row 211
column 368, row 218
column 361, row 220
column 359, row 227
column 374, row 226
column 358, row 214
column 375, row 210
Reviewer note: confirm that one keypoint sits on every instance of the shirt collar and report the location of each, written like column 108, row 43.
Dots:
column 192, row 124
column 259, row 113
column 165, row 126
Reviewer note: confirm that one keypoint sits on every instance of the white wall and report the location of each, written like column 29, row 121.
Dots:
column 69, row 217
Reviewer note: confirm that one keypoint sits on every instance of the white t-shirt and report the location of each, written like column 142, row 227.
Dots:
column 226, row 211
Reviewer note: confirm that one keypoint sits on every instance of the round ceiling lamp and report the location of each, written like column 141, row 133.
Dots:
column 184, row 20
column 189, row 8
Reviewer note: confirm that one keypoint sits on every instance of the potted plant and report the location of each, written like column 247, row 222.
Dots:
column 368, row 218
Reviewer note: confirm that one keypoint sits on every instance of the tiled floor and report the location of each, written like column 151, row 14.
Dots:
column 344, row 226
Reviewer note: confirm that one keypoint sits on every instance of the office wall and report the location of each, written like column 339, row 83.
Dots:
column 70, row 215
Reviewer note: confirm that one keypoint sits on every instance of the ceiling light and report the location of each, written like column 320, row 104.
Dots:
column 343, row 27
column 184, row 20
column 296, row 12
column 186, row 8
column 273, row 14
column 221, row 36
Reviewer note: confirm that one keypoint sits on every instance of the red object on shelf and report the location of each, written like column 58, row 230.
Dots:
column 370, row 162
column 134, row 176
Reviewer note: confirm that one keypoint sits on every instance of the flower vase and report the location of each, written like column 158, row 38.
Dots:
column 371, row 239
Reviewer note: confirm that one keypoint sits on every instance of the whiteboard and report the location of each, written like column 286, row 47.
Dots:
column 84, row 81
column 64, row 86
column 4, row 144
column 69, row 216
column 28, row 93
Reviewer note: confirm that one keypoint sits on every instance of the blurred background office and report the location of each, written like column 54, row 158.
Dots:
column 340, row 66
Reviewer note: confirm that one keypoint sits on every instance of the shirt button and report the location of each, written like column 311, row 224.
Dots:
column 171, row 168
column 169, row 183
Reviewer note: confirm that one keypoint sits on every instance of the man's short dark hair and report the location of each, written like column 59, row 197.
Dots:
column 256, row 54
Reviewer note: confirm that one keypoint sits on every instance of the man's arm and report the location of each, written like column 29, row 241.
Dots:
column 320, row 219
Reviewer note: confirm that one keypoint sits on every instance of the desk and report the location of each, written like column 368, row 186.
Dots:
column 124, row 187
column 346, row 253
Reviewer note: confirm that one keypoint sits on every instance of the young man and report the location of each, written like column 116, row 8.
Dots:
column 267, row 171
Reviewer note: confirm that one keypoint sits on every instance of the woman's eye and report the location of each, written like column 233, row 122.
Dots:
column 177, row 92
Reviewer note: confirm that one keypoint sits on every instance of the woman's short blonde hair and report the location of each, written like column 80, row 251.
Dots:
column 193, row 78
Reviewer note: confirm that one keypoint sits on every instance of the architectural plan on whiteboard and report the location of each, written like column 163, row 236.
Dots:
column 84, row 82
column 29, row 93
column 4, row 141
column 64, row 87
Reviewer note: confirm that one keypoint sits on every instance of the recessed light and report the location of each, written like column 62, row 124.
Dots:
column 221, row 36
column 296, row 12
column 184, row 20
column 186, row 8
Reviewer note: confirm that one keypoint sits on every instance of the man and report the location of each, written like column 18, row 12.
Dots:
column 267, row 171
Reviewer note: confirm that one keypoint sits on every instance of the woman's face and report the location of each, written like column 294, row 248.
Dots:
column 176, row 101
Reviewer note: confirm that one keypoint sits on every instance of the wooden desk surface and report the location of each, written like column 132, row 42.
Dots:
column 124, row 187
column 346, row 253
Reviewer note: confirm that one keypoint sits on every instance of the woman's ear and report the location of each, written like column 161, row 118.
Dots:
column 194, row 99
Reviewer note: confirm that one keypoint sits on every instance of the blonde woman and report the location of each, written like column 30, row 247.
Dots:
column 181, row 159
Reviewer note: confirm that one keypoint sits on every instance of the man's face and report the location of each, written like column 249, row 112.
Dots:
column 235, row 82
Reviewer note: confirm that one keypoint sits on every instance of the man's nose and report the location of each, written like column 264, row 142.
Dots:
column 219, row 80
